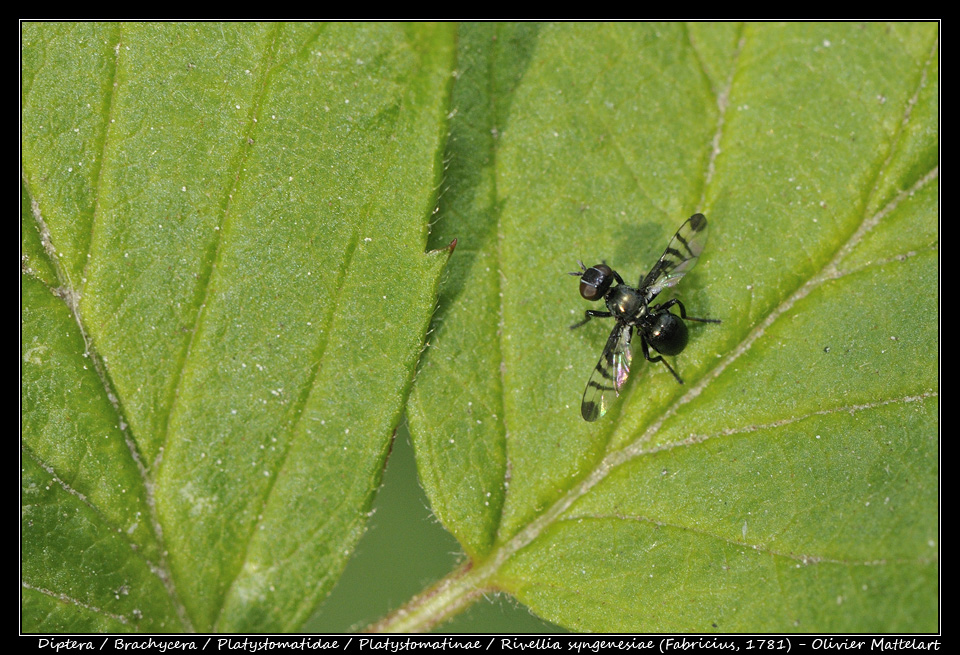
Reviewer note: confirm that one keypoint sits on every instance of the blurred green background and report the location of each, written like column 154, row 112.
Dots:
column 403, row 551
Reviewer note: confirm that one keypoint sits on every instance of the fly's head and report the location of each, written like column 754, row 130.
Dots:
column 595, row 281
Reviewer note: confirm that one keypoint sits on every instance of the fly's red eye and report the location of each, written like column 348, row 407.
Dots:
column 595, row 281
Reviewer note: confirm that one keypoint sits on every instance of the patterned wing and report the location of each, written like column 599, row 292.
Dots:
column 609, row 375
column 679, row 257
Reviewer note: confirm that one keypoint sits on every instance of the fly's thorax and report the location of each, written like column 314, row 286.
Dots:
column 626, row 303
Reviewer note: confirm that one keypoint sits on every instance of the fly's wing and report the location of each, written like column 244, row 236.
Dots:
column 679, row 257
column 609, row 375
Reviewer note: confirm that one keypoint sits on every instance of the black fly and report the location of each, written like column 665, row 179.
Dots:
column 658, row 328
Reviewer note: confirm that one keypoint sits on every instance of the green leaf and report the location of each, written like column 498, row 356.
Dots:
column 225, row 293
column 791, row 483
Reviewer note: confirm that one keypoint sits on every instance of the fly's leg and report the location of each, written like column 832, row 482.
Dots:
column 588, row 314
column 658, row 358
column 683, row 312
column 616, row 276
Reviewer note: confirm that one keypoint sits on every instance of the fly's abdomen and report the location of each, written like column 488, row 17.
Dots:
column 668, row 334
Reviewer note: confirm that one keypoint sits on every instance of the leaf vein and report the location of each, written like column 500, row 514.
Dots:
column 748, row 429
column 107, row 121
column 71, row 300
column 206, row 271
column 498, row 251
column 723, row 101
column 111, row 526
column 74, row 601
column 758, row 547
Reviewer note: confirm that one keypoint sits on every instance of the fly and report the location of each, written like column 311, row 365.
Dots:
column 632, row 308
